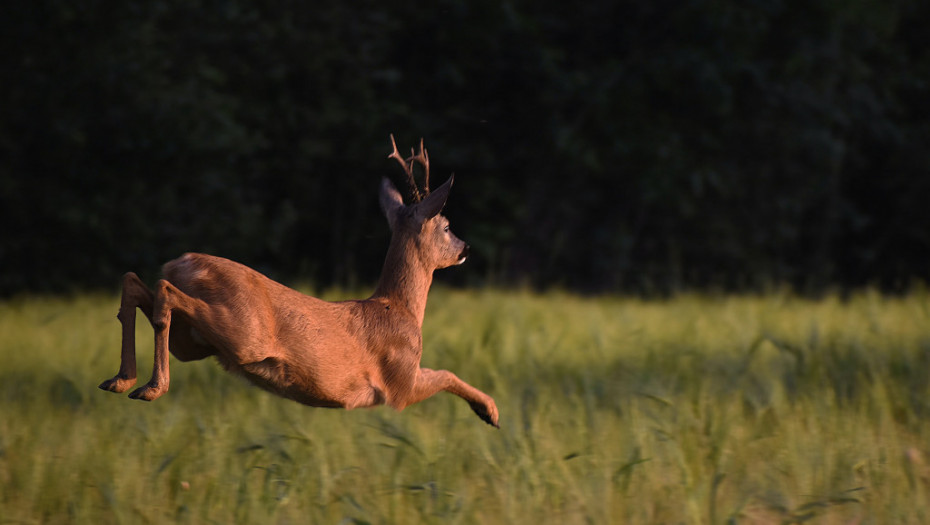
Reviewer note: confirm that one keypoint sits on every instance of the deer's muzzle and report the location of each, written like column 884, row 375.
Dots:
column 463, row 255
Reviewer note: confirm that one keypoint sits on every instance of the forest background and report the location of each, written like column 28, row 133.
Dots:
column 645, row 147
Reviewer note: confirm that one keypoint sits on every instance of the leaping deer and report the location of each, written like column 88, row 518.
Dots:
column 345, row 354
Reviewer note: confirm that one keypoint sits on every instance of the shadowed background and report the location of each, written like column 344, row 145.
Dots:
column 608, row 146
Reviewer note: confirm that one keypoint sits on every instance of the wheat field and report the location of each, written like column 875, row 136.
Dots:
column 698, row 409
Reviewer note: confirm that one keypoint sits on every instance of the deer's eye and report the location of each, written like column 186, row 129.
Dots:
column 445, row 228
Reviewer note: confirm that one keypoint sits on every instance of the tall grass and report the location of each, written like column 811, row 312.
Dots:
column 697, row 409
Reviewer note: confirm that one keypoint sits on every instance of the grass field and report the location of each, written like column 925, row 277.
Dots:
column 697, row 409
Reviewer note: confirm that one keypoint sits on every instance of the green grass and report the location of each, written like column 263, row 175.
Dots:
column 697, row 409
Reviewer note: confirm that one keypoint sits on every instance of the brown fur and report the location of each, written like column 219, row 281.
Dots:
column 327, row 354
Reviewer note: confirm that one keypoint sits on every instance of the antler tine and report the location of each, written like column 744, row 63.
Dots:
column 423, row 159
column 408, row 169
column 396, row 154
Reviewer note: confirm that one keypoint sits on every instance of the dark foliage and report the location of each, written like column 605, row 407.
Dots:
column 647, row 146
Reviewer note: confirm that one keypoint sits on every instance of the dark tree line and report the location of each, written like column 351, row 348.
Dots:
column 603, row 146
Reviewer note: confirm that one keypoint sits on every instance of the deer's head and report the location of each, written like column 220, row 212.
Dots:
column 420, row 221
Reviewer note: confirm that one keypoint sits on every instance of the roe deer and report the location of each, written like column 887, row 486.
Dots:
column 345, row 354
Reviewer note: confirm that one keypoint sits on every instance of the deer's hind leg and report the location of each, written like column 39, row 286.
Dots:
column 135, row 295
column 168, row 300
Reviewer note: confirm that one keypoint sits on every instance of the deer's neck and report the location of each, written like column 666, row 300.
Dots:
column 405, row 279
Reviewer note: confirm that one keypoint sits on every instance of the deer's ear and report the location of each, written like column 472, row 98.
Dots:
column 391, row 201
column 433, row 203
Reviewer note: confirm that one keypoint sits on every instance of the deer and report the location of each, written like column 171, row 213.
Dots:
column 346, row 354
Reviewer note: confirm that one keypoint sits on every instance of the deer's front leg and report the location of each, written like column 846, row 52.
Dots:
column 135, row 295
column 429, row 382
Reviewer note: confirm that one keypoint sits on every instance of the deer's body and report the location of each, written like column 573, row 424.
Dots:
column 294, row 345
column 345, row 354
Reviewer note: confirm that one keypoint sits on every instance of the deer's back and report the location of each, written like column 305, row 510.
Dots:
column 244, row 301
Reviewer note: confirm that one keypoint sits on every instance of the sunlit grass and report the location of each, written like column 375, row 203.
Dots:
column 697, row 409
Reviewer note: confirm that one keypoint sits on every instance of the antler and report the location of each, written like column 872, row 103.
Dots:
column 423, row 159
column 407, row 164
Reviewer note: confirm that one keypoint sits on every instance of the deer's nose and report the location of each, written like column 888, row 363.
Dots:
column 463, row 255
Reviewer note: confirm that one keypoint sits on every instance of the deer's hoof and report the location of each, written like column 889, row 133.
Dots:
column 117, row 384
column 148, row 392
column 487, row 413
